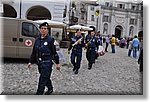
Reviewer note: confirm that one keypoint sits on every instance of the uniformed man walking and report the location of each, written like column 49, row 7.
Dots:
column 99, row 42
column 43, row 53
column 77, row 42
column 87, row 40
column 91, row 45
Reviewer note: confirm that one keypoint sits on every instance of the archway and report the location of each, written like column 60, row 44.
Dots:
column 38, row 13
column 9, row 11
column 118, row 31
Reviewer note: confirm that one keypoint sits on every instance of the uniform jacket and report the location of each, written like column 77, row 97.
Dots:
column 44, row 49
column 77, row 47
column 91, row 41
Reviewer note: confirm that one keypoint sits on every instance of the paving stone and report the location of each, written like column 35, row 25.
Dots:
column 111, row 74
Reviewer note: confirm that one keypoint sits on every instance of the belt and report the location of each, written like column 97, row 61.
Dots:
column 40, row 60
column 46, row 54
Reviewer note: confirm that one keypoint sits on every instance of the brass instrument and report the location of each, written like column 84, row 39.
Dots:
column 87, row 44
column 77, row 41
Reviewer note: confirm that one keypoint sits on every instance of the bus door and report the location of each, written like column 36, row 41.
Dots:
column 26, row 39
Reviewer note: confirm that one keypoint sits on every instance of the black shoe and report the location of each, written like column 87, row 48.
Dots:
column 76, row 72
column 90, row 68
column 48, row 92
column 74, row 69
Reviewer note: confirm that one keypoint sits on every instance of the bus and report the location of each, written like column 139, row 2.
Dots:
column 18, row 37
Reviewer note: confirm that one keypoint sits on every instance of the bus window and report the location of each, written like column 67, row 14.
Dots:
column 28, row 29
column 36, row 31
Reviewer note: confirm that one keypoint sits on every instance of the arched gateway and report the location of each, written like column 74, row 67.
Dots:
column 9, row 11
column 38, row 13
column 118, row 31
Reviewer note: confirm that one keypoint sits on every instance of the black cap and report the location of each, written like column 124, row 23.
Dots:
column 78, row 30
column 43, row 24
column 93, row 28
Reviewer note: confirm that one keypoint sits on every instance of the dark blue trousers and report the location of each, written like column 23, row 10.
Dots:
column 45, row 69
column 129, row 52
column 113, row 48
column 91, row 57
column 76, row 58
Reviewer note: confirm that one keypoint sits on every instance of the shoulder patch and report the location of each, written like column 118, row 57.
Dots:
column 45, row 43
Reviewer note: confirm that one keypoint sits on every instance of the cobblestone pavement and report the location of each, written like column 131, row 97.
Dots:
column 111, row 74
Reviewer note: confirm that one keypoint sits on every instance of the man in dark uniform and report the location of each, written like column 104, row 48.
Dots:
column 77, row 42
column 99, row 38
column 44, row 51
column 140, row 60
column 87, row 40
column 91, row 44
column 99, row 42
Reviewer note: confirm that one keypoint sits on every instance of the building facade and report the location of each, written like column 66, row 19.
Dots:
column 122, row 18
column 55, row 10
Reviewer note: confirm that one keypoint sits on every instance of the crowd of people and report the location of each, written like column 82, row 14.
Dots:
column 46, row 53
column 135, row 48
column 93, row 40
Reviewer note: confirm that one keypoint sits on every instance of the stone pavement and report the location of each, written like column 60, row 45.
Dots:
column 111, row 74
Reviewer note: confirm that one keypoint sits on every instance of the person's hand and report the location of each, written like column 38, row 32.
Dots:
column 86, row 45
column 89, row 43
column 79, row 42
column 29, row 65
column 58, row 66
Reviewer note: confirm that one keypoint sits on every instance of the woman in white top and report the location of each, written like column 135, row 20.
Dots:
column 107, row 43
column 130, row 47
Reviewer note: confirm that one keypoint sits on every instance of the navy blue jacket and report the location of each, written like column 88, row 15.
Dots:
column 44, row 49
column 91, row 41
column 77, row 47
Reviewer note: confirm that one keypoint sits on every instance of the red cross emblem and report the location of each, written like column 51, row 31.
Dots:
column 28, row 42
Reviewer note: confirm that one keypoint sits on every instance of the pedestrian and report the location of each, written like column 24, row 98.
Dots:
column 59, row 52
column 99, row 38
column 87, row 40
column 91, row 45
column 140, row 60
column 77, row 42
column 140, row 37
column 44, row 51
column 135, row 44
column 130, row 47
column 107, row 43
column 113, row 43
column 128, row 40
column 123, row 42
column 99, row 42
column 104, row 39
